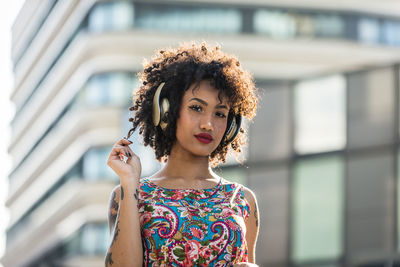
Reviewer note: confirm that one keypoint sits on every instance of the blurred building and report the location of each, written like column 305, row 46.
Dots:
column 323, row 154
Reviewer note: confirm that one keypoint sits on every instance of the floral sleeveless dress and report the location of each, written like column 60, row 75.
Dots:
column 190, row 227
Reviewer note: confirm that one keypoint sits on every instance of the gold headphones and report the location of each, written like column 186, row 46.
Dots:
column 160, row 114
column 160, row 111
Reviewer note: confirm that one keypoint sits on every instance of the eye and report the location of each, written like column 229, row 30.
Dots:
column 196, row 108
column 220, row 114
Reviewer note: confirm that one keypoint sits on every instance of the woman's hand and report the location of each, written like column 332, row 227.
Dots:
column 245, row 264
column 125, row 170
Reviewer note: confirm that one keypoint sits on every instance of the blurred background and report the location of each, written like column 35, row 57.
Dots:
column 323, row 153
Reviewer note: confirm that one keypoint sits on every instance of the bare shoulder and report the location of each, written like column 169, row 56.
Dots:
column 252, row 226
column 250, row 196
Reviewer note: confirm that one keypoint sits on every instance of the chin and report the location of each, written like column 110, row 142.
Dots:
column 202, row 152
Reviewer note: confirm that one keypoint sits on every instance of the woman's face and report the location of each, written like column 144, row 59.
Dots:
column 202, row 119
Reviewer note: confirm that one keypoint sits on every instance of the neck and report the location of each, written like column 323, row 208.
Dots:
column 184, row 165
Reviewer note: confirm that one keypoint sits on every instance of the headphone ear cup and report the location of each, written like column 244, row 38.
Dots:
column 233, row 126
column 164, row 113
column 229, row 126
column 160, row 111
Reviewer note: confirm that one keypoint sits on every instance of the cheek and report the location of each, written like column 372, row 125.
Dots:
column 184, row 122
column 221, row 127
column 184, row 119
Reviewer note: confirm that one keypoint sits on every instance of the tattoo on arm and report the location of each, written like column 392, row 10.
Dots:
column 113, row 210
column 255, row 214
column 136, row 195
column 122, row 193
column 116, row 232
column 109, row 260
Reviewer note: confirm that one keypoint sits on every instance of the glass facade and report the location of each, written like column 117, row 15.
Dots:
column 371, row 104
column 106, row 16
column 91, row 166
column 371, row 204
column 275, row 24
column 89, row 241
column 94, row 167
column 105, row 89
column 320, row 115
column 318, row 209
column 270, row 183
column 94, row 239
column 272, row 125
column 398, row 201
column 14, row 232
column 391, row 32
column 188, row 18
column 369, row 30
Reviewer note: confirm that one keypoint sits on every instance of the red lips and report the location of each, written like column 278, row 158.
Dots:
column 204, row 138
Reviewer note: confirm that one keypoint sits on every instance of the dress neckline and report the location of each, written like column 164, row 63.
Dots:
column 185, row 189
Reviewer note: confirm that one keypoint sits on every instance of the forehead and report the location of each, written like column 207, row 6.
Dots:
column 205, row 91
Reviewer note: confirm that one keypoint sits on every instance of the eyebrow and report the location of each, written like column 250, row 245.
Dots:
column 205, row 103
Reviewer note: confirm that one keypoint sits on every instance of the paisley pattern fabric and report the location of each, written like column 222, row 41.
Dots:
column 190, row 227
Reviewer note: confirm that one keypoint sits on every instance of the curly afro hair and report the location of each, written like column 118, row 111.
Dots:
column 179, row 68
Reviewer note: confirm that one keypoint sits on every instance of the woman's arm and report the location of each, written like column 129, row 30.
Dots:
column 252, row 225
column 125, row 248
column 123, row 218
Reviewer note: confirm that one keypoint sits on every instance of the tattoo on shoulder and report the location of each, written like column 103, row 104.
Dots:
column 109, row 260
column 122, row 193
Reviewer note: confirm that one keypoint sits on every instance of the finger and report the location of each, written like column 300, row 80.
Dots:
column 124, row 142
column 130, row 151
column 118, row 151
column 127, row 149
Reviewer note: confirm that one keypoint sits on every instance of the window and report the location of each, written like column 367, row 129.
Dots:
column 108, row 89
column 368, row 30
column 317, row 209
column 269, row 135
column 398, row 200
column 370, row 203
column 274, row 23
column 180, row 18
column 118, row 15
column 371, row 98
column 329, row 25
column 94, row 164
column 391, row 32
column 319, row 114
column 95, row 239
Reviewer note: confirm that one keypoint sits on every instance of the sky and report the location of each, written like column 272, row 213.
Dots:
column 8, row 12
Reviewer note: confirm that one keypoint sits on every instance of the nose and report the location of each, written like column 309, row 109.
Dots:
column 206, row 124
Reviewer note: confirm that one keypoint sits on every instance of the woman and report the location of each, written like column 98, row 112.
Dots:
column 188, row 109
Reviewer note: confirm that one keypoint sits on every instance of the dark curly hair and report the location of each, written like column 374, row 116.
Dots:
column 180, row 68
